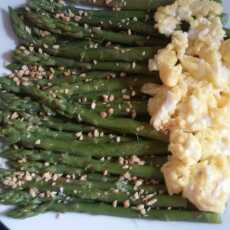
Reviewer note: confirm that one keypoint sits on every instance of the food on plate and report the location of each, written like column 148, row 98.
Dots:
column 193, row 103
column 74, row 111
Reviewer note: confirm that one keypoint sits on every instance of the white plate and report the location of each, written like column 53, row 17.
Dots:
column 81, row 221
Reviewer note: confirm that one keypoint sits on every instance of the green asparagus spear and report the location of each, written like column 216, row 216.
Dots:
column 19, row 197
column 118, row 5
column 64, row 125
column 119, row 125
column 144, row 171
column 133, row 26
column 105, row 209
column 60, row 74
column 36, row 167
column 104, row 96
column 117, row 23
column 139, row 54
column 65, row 136
column 28, row 210
column 127, row 4
column 124, row 126
column 25, row 32
column 14, row 103
column 94, row 191
column 53, row 123
column 48, row 60
column 81, row 50
column 102, row 150
column 124, row 14
column 35, row 130
column 6, row 84
column 71, row 185
column 48, row 77
column 172, row 215
column 122, row 108
column 60, row 142
column 81, row 88
column 72, row 29
column 112, row 182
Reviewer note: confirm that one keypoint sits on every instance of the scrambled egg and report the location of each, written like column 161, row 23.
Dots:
column 193, row 104
column 209, row 184
column 169, row 17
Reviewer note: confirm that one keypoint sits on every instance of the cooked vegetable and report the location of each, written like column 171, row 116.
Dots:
column 127, row 4
column 48, row 60
column 124, row 20
column 74, row 30
column 73, row 119
column 105, row 209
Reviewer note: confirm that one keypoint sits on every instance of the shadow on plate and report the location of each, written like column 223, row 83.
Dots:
column 3, row 227
column 10, row 33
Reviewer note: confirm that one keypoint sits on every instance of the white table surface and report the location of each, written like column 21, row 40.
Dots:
column 82, row 221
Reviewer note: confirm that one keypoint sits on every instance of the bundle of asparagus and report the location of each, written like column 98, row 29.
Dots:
column 73, row 119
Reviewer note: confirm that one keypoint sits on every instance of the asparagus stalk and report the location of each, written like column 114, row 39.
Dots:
column 36, row 167
column 105, row 209
column 33, row 35
column 93, row 191
column 81, row 88
column 60, row 74
column 117, row 124
column 124, row 14
column 70, row 185
column 139, row 14
column 14, row 103
column 75, row 52
column 172, row 215
column 6, row 84
column 122, row 108
column 82, row 51
column 108, row 182
column 60, row 142
column 118, row 5
column 58, row 124
column 55, row 76
column 32, row 58
column 144, row 171
column 17, row 197
column 53, row 123
column 28, row 210
column 127, row 4
column 20, row 197
column 33, row 129
column 133, row 26
column 105, row 95
column 24, row 32
column 111, row 181
column 118, row 23
column 72, row 29
column 65, row 136
column 120, row 125
column 88, row 149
